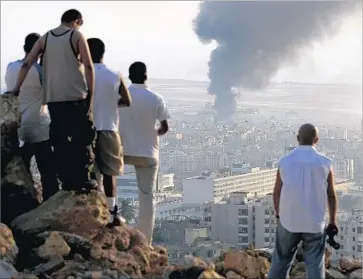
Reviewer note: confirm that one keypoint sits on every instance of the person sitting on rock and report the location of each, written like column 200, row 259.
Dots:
column 303, row 189
column 34, row 126
column 141, row 143
column 68, row 82
column 109, row 87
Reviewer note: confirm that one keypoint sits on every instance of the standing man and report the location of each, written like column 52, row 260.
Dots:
column 65, row 59
column 141, row 143
column 110, row 94
column 34, row 126
column 304, row 185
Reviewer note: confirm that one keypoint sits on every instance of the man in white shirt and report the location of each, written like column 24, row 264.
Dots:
column 140, row 140
column 109, row 87
column 35, row 120
column 304, row 186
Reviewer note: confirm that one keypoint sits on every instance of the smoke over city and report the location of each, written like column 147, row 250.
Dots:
column 256, row 38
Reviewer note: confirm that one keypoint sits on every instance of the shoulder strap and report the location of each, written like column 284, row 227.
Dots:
column 72, row 46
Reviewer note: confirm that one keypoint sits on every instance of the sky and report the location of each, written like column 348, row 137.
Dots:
column 160, row 33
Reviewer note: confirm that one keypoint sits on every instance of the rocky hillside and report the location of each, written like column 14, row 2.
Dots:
column 67, row 236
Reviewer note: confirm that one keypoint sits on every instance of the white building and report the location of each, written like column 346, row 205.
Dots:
column 127, row 185
column 350, row 236
column 165, row 182
column 240, row 223
column 213, row 188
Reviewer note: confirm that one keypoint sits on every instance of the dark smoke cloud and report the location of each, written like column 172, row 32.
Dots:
column 256, row 38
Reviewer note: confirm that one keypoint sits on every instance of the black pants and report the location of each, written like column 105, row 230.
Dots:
column 72, row 136
column 44, row 157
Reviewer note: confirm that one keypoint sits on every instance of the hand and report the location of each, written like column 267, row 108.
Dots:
column 14, row 92
column 332, row 228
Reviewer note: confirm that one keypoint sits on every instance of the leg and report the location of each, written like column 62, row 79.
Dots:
column 146, row 180
column 314, row 254
column 284, row 251
column 83, row 136
column 44, row 157
column 109, row 160
column 27, row 153
column 59, row 139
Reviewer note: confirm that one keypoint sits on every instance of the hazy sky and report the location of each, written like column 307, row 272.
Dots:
column 161, row 34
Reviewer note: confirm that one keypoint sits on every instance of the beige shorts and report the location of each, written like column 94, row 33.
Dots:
column 109, row 153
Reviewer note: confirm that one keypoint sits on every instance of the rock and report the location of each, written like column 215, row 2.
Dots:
column 7, row 271
column 357, row 274
column 50, row 267
column 18, row 194
column 54, row 245
column 333, row 274
column 188, row 273
column 232, row 275
column 349, row 265
column 8, row 248
column 248, row 266
column 299, row 275
column 298, row 269
column 82, row 214
column 209, row 274
column 80, row 247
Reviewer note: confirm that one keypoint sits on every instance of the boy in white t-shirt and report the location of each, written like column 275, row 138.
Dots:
column 109, row 87
column 35, row 120
column 140, row 139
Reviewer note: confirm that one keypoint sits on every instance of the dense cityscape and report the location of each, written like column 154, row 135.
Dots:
column 216, row 176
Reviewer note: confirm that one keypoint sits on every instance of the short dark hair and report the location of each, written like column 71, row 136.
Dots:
column 30, row 41
column 137, row 72
column 70, row 16
column 97, row 49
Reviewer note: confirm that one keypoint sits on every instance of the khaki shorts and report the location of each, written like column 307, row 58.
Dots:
column 109, row 153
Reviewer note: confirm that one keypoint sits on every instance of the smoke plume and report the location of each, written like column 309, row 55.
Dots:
column 256, row 38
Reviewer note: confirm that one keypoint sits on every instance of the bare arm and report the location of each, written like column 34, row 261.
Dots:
column 277, row 193
column 164, row 128
column 332, row 198
column 31, row 58
column 125, row 100
column 86, row 59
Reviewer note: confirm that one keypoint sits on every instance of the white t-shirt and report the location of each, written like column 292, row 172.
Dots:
column 106, row 96
column 35, row 119
column 304, row 173
column 138, row 122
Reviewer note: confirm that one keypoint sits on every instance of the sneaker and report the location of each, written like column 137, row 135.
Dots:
column 88, row 187
column 117, row 219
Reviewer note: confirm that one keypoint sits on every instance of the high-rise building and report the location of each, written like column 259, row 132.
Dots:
column 240, row 223
column 213, row 187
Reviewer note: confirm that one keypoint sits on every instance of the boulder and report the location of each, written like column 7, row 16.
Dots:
column 54, row 245
column 7, row 271
column 357, row 274
column 67, row 211
column 18, row 194
column 8, row 248
column 247, row 266
column 349, row 265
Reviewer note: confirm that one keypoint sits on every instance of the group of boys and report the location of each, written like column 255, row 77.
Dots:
column 77, row 112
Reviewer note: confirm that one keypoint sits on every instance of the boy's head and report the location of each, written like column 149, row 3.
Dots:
column 97, row 49
column 72, row 18
column 30, row 41
column 138, row 72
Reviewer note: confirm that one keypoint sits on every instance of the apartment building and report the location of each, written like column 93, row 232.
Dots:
column 350, row 235
column 216, row 187
column 240, row 222
column 127, row 185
